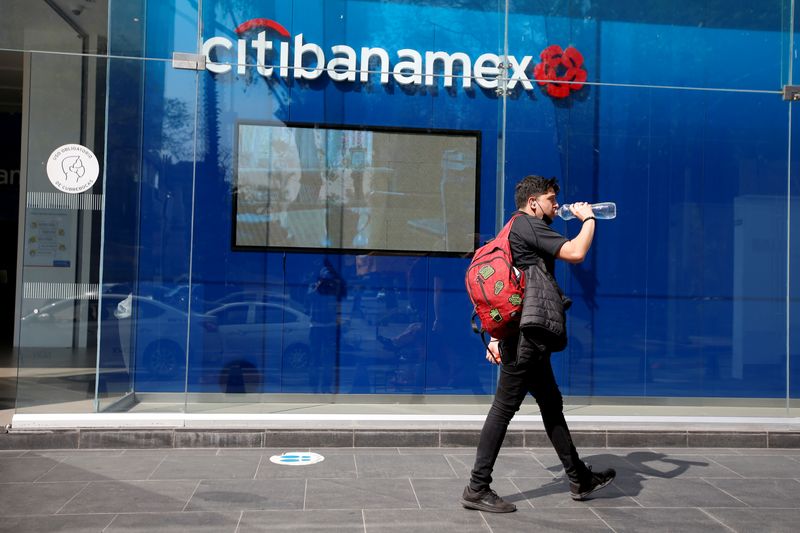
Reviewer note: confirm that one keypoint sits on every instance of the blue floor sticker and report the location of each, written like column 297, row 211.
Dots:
column 297, row 458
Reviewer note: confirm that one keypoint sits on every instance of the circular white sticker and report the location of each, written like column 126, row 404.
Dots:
column 297, row 458
column 72, row 168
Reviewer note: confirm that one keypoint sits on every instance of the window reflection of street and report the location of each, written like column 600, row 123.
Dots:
column 356, row 324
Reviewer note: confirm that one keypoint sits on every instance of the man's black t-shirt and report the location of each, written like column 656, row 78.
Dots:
column 531, row 237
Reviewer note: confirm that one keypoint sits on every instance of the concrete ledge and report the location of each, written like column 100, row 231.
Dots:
column 333, row 421
column 357, row 438
column 370, row 437
column 181, row 430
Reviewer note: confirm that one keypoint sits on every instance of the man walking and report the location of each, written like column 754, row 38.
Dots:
column 526, row 360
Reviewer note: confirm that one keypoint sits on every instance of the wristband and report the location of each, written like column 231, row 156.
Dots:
column 589, row 218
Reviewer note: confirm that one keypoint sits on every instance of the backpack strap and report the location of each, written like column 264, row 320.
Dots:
column 507, row 228
column 479, row 331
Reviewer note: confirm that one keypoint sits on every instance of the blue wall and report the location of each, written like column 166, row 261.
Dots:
column 684, row 294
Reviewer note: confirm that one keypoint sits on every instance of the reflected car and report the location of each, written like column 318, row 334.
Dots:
column 274, row 297
column 249, row 329
column 157, row 331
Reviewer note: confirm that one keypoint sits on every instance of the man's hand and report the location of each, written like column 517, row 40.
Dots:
column 582, row 210
column 493, row 352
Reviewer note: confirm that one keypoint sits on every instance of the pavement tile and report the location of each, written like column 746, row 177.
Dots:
column 228, row 495
column 21, row 469
column 174, row 522
column 774, row 521
column 674, row 492
column 360, row 494
column 4, row 454
column 408, row 489
column 440, row 521
column 599, row 461
column 255, row 451
column 200, row 467
column 94, row 468
column 422, row 450
column 507, row 465
column 668, row 465
column 36, row 498
column 59, row 454
column 333, row 466
column 173, row 452
column 554, row 494
column 62, row 524
column 763, row 493
column 446, row 493
column 790, row 452
column 760, row 466
column 131, row 497
column 545, row 520
column 461, row 462
column 591, row 450
column 403, row 466
column 357, row 451
column 689, row 520
column 691, row 451
column 302, row 521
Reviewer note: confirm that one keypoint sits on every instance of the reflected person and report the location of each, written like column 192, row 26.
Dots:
column 324, row 299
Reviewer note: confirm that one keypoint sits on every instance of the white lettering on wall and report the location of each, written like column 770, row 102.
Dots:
column 9, row 177
column 309, row 62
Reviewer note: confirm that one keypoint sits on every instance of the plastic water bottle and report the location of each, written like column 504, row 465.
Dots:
column 603, row 210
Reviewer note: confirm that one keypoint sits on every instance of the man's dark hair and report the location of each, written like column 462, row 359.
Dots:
column 533, row 186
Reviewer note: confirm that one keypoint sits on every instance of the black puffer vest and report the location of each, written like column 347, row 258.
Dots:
column 543, row 321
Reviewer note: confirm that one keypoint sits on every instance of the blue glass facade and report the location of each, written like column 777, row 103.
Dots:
column 690, row 292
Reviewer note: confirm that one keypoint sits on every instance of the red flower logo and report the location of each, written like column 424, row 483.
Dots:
column 560, row 66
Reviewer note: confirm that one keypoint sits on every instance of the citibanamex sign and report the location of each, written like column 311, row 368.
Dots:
column 344, row 64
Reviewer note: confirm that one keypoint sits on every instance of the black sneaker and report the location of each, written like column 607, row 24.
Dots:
column 598, row 480
column 486, row 500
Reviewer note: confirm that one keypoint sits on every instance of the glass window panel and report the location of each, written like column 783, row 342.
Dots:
column 355, row 321
column 667, row 43
column 104, row 308
column 683, row 294
column 178, row 267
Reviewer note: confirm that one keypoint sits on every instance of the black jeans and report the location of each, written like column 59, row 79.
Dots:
column 535, row 377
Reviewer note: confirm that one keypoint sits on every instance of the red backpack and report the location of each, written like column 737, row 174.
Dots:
column 495, row 286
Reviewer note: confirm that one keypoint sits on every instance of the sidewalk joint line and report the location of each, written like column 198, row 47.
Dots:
column 715, row 519
column 197, row 486
column 239, row 522
column 73, row 497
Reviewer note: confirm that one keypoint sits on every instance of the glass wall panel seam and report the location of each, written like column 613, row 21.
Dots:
column 501, row 142
column 791, row 54
column 191, row 220
column 102, row 249
column 191, row 247
column 85, row 54
column 789, row 255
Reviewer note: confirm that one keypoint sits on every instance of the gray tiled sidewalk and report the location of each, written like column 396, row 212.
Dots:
column 392, row 489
